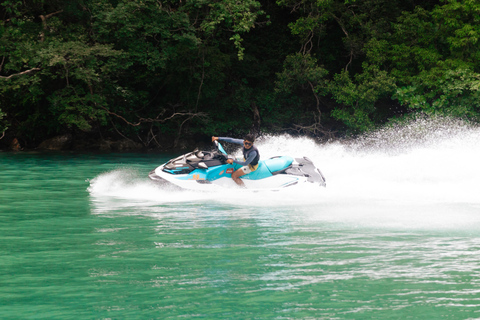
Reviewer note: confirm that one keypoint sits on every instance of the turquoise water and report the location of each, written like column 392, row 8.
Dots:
column 90, row 237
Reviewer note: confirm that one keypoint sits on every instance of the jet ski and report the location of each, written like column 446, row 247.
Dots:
column 209, row 170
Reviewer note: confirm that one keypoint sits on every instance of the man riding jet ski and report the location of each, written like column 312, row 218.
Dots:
column 251, row 156
column 209, row 170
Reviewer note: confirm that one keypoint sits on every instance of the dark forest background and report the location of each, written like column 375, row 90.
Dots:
column 165, row 74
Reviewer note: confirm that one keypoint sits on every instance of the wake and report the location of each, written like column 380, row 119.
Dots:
column 418, row 171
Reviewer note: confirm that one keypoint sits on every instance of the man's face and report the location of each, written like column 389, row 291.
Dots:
column 247, row 144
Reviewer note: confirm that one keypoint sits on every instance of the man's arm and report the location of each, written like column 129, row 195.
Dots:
column 231, row 140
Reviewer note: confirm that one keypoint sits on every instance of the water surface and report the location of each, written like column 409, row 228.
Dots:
column 395, row 235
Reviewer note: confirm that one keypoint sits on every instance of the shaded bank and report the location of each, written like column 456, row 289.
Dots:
column 160, row 73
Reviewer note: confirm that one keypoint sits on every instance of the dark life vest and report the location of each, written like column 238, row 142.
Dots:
column 246, row 152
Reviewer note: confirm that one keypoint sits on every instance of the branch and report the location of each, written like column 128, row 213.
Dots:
column 351, row 59
column 190, row 115
column 316, row 97
column 3, row 135
column 44, row 22
column 308, row 45
column 1, row 64
column 339, row 21
column 20, row 73
column 175, row 143
column 257, row 121
column 147, row 120
column 152, row 139
column 316, row 129
column 201, row 82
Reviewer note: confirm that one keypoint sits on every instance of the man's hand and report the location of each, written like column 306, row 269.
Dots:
column 214, row 139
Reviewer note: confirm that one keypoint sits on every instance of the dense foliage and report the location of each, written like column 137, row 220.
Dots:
column 157, row 71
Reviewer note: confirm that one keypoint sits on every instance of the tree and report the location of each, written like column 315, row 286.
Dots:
column 302, row 72
column 133, row 68
column 357, row 100
column 3, row 125
column 434, row 57
column 335, row 33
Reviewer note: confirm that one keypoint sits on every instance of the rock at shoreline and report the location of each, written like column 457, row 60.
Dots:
column 15, row 145
column 120, row 145
column 67, row 142
column 57, row 143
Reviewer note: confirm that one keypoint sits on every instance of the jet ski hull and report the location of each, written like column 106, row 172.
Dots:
column 201, row 170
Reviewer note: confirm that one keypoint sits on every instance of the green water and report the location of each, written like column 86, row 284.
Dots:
column 130, row 250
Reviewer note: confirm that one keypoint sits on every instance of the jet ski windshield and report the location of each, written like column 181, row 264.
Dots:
column 220, row 148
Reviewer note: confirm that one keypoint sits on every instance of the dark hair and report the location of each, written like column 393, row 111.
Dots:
column 250, row 137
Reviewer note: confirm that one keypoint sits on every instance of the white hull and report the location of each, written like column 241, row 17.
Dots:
column 276, row 182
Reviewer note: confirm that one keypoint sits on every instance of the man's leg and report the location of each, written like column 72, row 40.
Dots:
column 236, row 177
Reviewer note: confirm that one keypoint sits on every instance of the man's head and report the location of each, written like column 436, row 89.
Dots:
column 248, row 141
